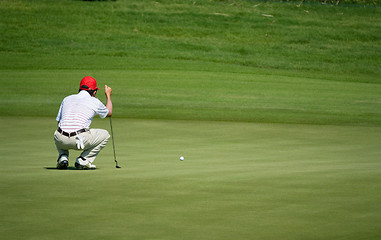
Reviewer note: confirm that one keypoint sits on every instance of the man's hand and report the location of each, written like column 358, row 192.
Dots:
column 108, row 91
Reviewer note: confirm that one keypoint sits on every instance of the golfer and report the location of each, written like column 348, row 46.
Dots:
column 74, row 118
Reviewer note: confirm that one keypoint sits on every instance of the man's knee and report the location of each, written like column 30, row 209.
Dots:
column 104, row 135
column 107, row 135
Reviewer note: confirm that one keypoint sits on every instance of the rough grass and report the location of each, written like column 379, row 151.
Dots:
column 338, row 40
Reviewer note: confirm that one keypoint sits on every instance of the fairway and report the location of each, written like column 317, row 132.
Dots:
column 259, row 96
column 238, row 181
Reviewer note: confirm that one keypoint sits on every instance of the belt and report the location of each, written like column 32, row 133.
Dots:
column 72, row 134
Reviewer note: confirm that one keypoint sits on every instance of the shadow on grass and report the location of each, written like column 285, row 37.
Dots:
column 69, row 168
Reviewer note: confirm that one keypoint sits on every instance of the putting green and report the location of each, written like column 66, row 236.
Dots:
column 238, row 181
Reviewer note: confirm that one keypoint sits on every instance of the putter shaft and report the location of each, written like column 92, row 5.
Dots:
column 113, row 144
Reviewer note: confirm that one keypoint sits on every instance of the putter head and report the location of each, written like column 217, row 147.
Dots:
column 118, row 166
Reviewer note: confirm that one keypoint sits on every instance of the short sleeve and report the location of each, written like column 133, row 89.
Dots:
column 59, row 115
column 102, row 111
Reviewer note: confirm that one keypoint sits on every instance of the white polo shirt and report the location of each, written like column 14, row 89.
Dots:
column 77, row 111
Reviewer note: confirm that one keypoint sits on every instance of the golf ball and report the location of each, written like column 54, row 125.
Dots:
column 181, row 158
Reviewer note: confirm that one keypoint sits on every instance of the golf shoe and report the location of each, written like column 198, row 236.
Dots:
column 62, row 162
column 82, row 163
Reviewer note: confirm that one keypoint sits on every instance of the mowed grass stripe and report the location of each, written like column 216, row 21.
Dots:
column 193, row 95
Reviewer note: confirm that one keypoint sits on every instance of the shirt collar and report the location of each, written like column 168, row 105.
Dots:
column 84, row 93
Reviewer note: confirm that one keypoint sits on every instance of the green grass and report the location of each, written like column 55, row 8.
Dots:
column 278, row 118
column 338, row 40
column 207, row 60
column 238, row 181
column 200, row 95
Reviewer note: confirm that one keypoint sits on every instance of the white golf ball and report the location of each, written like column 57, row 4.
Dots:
column 181, row 158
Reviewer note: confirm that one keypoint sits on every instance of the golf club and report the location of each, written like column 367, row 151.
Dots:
column 113, row 145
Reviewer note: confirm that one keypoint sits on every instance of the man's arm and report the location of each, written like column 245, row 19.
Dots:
column 108, row 92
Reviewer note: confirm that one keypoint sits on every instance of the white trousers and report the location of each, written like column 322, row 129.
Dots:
column 94, row 141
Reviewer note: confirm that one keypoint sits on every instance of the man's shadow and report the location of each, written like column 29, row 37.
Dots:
column 69, row 168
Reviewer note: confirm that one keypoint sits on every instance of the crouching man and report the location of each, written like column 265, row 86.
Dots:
column 74, row 118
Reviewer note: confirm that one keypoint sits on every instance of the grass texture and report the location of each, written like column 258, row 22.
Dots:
column 209, row 60
column 338, row 40
column 275, row 107
column 199, row 95
column 238, row 181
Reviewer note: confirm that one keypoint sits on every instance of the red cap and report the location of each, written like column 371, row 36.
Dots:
column 88, row 83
